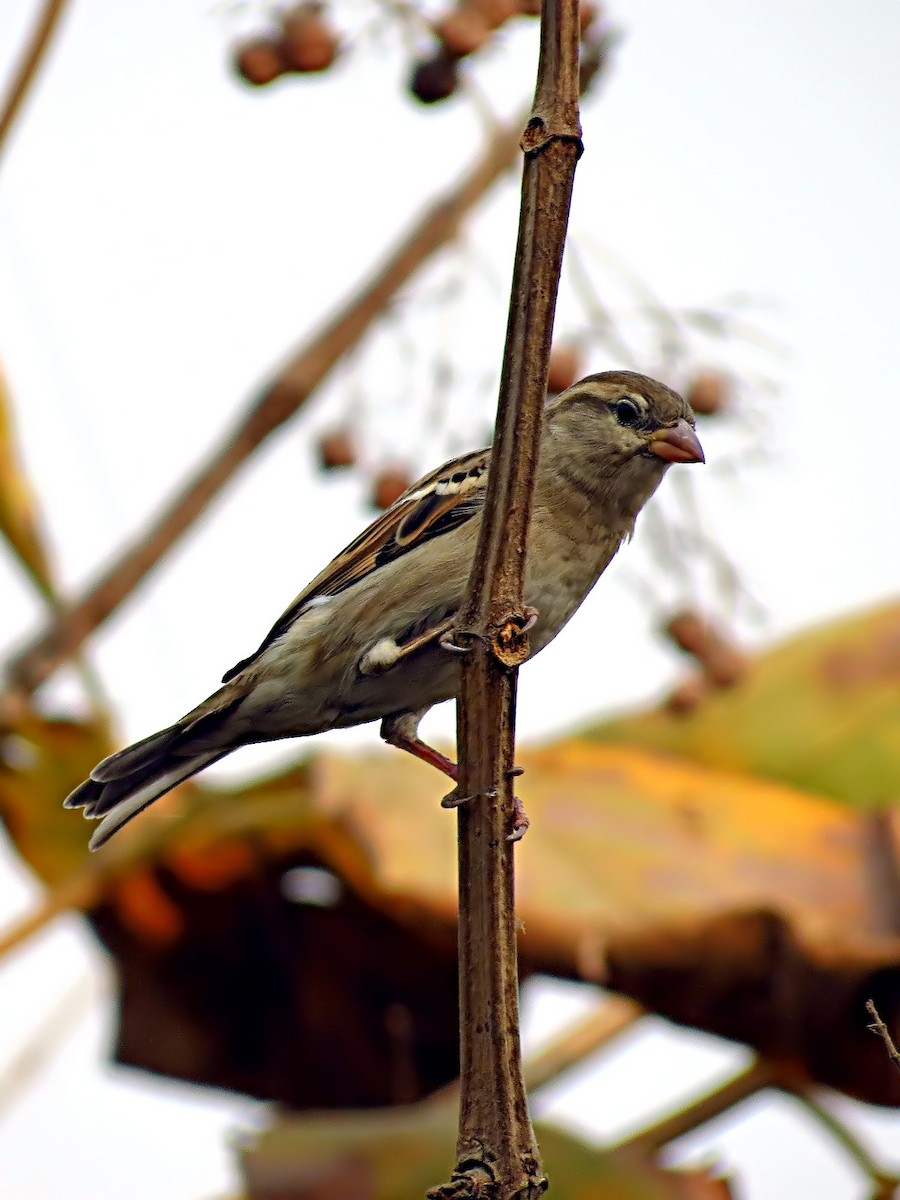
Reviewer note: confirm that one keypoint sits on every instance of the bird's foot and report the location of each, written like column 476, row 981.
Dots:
column 455, row 798
column 520, row 822
column 401, row 731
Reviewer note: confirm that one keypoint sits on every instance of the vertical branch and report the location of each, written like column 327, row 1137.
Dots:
column 497, row 1155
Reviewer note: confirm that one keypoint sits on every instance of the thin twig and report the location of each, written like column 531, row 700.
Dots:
column 497, row 1155
column 602, row 320
column 278, row 402
column 28, row 68
column 878, row 1026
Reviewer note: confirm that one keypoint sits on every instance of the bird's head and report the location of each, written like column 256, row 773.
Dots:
column 619, row 431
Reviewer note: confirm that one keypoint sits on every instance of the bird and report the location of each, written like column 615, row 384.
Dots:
column 366, row 640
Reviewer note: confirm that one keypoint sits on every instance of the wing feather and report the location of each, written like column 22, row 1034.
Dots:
column 438, row 503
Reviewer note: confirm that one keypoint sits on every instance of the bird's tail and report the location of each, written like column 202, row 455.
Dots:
column 127, row 782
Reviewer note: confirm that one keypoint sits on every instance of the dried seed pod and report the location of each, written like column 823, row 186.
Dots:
column 389, row 486
column 462, row 31
column 689, row 631
column 434, row 79
column 495, row 12
column 336, row 450
column 722, row 662
column 726, row 665
column 707, row 394
column 260, row 61
column 308, row 41
column 564, row 368
column 687, row 696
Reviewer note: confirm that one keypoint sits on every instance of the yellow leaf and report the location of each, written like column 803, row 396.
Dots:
column 820, row 712
column 19, row 518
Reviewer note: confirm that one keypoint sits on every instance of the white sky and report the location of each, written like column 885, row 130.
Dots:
column 165, row 236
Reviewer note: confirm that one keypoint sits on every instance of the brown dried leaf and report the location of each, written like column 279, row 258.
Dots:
column 740, row 906
column 737, row 906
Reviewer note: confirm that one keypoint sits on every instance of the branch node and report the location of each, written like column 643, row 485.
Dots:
column 471, row 1180
column 477, row 1180
column 509, row 640
column 539, row 133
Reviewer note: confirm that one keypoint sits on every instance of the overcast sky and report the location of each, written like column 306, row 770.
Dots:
column 166, row 236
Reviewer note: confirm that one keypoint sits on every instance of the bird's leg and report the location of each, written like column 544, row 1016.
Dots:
column 387, row 652
column 402, row 731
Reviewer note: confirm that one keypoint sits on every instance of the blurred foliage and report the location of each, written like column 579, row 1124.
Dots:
column 318, row 908
column 820, row 712
column 399, row 1154
column 41, row 761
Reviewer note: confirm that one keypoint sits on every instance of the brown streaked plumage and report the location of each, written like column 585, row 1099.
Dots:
column 363, row 641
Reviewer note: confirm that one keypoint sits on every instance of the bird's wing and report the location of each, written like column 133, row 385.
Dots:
column 439, row 502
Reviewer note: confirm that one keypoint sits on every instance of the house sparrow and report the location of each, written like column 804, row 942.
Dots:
column 363, row 641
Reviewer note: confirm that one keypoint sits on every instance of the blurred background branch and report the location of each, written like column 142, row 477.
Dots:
column 29, row 66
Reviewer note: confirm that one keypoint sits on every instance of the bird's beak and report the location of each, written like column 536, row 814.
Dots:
column 677, row 443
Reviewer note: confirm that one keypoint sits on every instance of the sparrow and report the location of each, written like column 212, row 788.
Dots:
column 363, row 642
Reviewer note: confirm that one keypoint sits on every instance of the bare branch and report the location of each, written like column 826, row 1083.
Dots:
column 27, row 70
column 497, row 1155
column 278, row 402
column 878, row 1026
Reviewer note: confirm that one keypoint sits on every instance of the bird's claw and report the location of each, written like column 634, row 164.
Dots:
column 520, row 823
column 531, row 615
column 447, row 641
column 454, row 799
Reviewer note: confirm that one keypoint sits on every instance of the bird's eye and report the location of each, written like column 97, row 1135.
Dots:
column 627, row 413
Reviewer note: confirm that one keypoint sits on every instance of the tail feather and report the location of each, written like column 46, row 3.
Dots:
column 141, row 754
column 140, row 795
column 125, row 783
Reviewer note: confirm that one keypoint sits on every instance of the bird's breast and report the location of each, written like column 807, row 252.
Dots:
column 557, row 583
